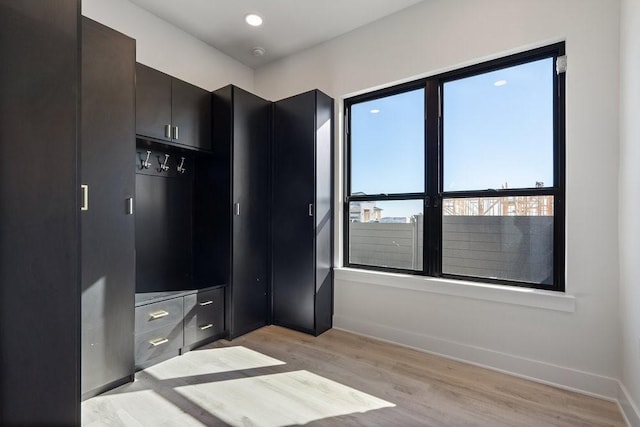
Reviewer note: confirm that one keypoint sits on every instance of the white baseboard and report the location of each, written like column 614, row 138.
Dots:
column 558, row 376
column 627, row 407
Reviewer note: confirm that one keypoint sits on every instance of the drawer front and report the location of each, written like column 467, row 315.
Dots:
column 163, row 342
column 158, row 315
column 204, row 315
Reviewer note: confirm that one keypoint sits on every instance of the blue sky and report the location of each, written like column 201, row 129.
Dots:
column 493, row 134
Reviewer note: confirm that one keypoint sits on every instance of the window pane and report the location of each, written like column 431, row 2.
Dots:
column 499, row 237
column 387, row 144
column 386, row 234
column 498, row 129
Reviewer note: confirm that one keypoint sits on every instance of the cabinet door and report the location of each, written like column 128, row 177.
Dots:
column 251, row 124
column 293, row 224
column 107, row 242
column 153, row 103
column 39, row 231
column 190, row 115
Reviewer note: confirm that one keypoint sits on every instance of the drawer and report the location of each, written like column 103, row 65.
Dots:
column 158, row 344
column 158, row 315
column 204, row 315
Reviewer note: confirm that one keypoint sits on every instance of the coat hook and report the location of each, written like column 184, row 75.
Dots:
column 163, row 165
column 181, row 168
column 146, row 164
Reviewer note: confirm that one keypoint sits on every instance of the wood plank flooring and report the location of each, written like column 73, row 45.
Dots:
column 277, row 377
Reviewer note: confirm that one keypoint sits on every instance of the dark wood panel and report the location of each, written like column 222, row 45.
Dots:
column 240, row 172
column 164, row 240
column 215, row 260
column 147, row 354
column 107, row 230
column 203, row 315
column 324, row 213
column 39, row 207
column 251, row 129
column 158, row 315
column 153, row 102
column 293, row 228
column 191, row 114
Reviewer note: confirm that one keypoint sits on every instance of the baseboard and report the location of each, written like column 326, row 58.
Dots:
column 107, row 387
column 546, row 373
column 627, row 407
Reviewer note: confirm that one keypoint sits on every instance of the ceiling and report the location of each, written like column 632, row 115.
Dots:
column 289, row 25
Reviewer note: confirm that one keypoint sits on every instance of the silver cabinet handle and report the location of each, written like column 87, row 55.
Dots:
column 85, row 197
column 310, row 209
column 203, row 303
column 167, row 131
column 158, row 314
column 175, row 133
column 236, row 209
column 130, row 206
column 159, row 341
column 210, row 325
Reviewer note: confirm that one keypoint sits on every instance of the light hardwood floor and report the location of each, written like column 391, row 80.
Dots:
column 277, row 377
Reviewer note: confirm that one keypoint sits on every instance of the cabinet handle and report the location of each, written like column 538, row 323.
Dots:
column 175, row 133
column 206, row 303
column 167, row 131
column 85, row 197
column 158, row 314
column 210, row 325
column 129, row 205
column 159, row 341
column 310, row 209
column 236, row 209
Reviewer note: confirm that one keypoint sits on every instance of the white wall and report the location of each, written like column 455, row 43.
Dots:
column 164, row 47
column 630, row 200
column 576, row 348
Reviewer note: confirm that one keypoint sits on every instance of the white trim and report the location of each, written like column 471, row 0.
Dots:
column 497, row 293
column 627, row 406
column 541, row 372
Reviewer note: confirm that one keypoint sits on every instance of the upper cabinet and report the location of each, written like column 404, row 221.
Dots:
column 171, row 110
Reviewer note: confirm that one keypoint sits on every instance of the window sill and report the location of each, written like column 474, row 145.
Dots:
column 482, row 291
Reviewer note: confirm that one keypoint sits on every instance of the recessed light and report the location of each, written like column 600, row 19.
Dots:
column 253, row 20
column 500, row 83
column 374, row 111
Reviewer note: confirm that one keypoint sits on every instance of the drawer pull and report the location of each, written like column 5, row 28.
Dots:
column 203, row 303
column 158, row 314
column 210, row 325
column 159, row 341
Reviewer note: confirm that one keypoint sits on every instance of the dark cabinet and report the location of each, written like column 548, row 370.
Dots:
column 158, row 328
column 153, row 103
column 107, row 221
column 302, row 214
column 171, row 323
column 240, row 215
column 203, row 316
column 171, row 110
column 39, row 231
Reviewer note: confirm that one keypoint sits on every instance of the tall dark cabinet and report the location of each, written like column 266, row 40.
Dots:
column 240, row 215
column 107, row 221
column 302, row 213
column 39, row 230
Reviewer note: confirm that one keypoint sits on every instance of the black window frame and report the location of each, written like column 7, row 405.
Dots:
column 433, row 163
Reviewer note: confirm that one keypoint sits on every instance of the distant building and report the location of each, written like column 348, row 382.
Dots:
column 364, row 212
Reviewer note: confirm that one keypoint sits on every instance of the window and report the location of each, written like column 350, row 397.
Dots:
column 461, row 175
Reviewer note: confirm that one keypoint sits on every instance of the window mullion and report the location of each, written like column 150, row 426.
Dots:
column 433, row 208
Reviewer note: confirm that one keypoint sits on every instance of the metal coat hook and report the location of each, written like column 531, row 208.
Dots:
column 146, row 164
column 163, row 165
column 181, row 168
